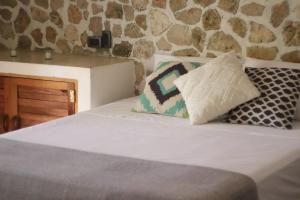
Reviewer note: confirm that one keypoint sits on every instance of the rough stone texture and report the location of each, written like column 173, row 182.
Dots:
column 198, row 38
column 180, row 35
column 124, row 1
column 56, row 4
column 5, row 14
column 123, row 49
column 96, row 25
column 78, row 50
column 42, row 3
column 71, row 33
column 139, row 71
column 74, row 14
column 83, row 38
column 279, row 13
column 223, row 25
column 2, row 46
column 39, row 15
column 139, row 4
column 159, row 3
column 260, row 34
column 96, row 9
column 186, row 52
column 163, row 44
column 37, row 36
column 143, row 49
column 107, row 25
column 210, row 55
column 297, row 11
column 159, row 21
column 265, row 53
column 63, row 46
column 223, row 42
column 204, row 3
column 238, row 26
column 141, row 21
column 117, row 30
column 114, row 10
column 176, row 5
column 211, row 20
column 56, row 19
column 24, row 42
column 133, row 31
column 253, row 9
column 22, row 21
column 128, row 12
column 293, row 56
column 229, row 5
column 6, row 30
column 291, row 33
column 51, row 34
column 9, row 3
column 190, row 16
column 82, row 4
column 86, row 15
column 25, row 2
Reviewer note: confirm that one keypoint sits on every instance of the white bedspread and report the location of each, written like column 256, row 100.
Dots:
column 112, row 129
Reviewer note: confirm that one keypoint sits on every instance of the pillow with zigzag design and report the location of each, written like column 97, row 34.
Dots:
column 160, row 95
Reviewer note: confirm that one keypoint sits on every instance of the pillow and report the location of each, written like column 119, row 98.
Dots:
column 215, row 88
column 276, row 107
column 252, row 62
column 159, row 58
column 160, row 94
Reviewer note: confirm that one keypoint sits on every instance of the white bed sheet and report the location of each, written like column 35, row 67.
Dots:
column 258, row 152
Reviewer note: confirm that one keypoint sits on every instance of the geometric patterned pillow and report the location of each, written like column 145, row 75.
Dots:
column 276, row 107
column 160, row 95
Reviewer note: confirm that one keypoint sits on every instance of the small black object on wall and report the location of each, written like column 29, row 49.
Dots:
column 103, row 41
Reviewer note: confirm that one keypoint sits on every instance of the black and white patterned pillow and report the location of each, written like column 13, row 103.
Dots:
column 276, row 107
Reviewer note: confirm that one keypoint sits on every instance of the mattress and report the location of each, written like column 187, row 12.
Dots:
column 271, row 157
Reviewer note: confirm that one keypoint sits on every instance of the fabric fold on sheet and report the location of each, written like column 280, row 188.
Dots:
column 39, row 172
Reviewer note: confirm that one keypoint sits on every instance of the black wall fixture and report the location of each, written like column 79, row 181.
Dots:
column 103, row 41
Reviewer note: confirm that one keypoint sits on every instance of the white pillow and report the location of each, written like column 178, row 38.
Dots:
column 159, row 58
column 255, row 63
column 215, row 88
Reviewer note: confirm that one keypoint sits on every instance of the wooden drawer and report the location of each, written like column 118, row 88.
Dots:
column 37, row 105
column 34, row 101
column 2, row 105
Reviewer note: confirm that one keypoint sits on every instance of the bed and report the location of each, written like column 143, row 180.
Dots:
column 269, row 157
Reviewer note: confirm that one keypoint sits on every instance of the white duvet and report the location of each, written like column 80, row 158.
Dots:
column 112, row 129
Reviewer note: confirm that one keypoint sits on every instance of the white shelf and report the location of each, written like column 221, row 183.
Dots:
column 100, row 80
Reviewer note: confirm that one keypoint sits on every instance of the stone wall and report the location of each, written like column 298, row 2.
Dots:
column 265, row 29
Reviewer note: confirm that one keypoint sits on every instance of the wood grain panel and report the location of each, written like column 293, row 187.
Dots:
column 2, row 103
column 2, row 92
column 2, row 95
column 42, row 104
column 27, row 101
column 28, row 119
column 45, row 91
column 41, row 101
column 1, row 82
column 43, row 107
column 44, row 84
column 42, row 111
column 43, row 94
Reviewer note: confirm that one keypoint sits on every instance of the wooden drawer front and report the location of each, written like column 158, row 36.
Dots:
column 2, row 93
column 37, row 105
column 2, row 101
